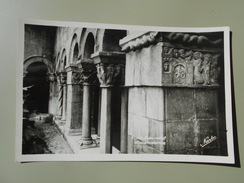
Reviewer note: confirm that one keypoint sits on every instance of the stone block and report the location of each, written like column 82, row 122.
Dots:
column 137, row 101
column 130, row 144
column 155, row 103
column 156, row 135
column 138, row 58
column 206, row 103
column 180, row 104
column 180, row 137
column 130, row 123
column 151, row 66
column 141, row 127
column 129, row 69
column 142, row 148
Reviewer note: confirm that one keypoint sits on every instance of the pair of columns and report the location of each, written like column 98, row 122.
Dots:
column 80, row 77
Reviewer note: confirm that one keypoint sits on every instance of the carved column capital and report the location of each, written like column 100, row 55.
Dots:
column 109, row 67
column 108, row 73
column 87, row 73
column 52, row 77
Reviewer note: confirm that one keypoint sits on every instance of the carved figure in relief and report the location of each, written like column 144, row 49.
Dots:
column 166, row 66
column 197, row 61
column 175, row 53
column 168, row 53
column 179, row 74
column 214, row 70
column 206, row 69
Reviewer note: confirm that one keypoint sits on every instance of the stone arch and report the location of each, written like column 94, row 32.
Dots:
column 34, row 59
column 89, row 46
column 63, row 60
column 57, row 62
column 110, row 40
column 74, row 49
column 84, row 40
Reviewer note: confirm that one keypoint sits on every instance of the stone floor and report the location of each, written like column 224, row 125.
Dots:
column 58, row 142
column 54, row 140
column 75, row 141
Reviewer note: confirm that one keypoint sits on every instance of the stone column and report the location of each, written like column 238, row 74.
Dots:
column 124, row 121
column 60, row 97
column 108, row 69
column 51, row 106
column 88, row 77
column 63, row 81
column 74, row 101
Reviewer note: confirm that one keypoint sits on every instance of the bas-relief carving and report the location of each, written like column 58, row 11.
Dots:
column 189, row 67
column 107, row 73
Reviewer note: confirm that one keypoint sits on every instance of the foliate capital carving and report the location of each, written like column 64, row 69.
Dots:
column 108, row 73
column 61, row 77
column 76, row 78
column 189, row 67
column 88, row 74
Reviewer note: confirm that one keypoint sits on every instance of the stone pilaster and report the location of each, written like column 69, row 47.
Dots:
column 109, row 67
column 74, row 101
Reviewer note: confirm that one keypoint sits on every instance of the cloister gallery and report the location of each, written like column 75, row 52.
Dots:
column 139, row 91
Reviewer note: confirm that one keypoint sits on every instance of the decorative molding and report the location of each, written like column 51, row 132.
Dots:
column 143, row 40
column 199, row 40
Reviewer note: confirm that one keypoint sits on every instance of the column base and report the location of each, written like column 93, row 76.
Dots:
column 88, row 143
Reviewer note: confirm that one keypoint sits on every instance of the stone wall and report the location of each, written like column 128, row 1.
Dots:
column 175, row 94
column 39, row 41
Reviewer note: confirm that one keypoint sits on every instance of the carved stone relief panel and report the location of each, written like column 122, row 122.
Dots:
column 189, row 67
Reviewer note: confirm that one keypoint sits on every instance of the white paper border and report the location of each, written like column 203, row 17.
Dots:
column 230, row 159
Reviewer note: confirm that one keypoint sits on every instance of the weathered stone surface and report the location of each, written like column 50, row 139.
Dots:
column 142, row 148
column 137, row 101
column 137, row 59
column 180, row 104
column 131, row 119
column 156, row 135
column 74, row 93
column 140, row 127
column 151, row 65
column 206, row 103
column 155, row 103
column 130, row 142
column 129, row 69
column 180, row 137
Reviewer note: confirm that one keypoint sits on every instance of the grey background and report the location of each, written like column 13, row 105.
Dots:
column 176, row 13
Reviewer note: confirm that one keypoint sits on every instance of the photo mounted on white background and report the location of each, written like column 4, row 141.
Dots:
column 99, row 92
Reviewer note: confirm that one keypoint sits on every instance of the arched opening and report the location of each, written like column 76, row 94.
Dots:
column 65, row 63
column 111, row 40
column 89, row 46
column 37, row 95
column 75, row 53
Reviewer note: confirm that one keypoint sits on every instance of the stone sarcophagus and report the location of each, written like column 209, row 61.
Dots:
column 176, row 92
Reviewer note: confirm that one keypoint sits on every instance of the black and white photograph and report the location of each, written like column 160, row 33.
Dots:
column 99, row 92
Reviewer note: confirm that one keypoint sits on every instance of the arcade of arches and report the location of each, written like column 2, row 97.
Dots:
column 139, row 92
